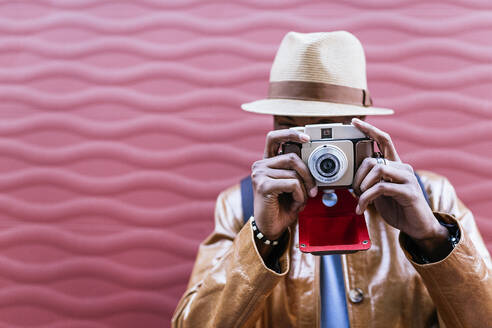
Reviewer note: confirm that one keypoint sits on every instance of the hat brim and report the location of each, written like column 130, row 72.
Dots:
column 294, row 107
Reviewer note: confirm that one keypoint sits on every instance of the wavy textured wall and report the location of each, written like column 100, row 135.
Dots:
column 120, row 124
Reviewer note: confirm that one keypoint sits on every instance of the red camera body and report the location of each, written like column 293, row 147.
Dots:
column 332, row 230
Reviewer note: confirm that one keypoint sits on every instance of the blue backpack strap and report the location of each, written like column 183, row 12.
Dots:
column 422, row 188
column 247, row 198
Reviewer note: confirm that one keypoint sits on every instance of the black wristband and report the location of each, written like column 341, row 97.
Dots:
column 453, row 239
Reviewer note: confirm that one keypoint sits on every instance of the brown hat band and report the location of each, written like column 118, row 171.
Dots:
column 317, row 91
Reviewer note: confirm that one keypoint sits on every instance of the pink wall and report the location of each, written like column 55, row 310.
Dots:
column 120, row 124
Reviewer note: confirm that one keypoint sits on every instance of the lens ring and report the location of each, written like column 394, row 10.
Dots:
column 324, row 152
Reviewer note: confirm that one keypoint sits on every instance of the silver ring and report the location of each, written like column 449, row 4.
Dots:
column 382, row 160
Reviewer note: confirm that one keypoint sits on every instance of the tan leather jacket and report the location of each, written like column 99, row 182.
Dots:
column 230, row 286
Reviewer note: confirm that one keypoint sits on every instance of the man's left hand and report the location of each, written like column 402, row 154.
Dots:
column 395, row 192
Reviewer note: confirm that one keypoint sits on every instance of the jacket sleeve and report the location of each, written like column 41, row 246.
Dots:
column 460, row 285
column 229, row 282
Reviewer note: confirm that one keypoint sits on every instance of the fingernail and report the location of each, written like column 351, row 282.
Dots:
column 304, row 137
column 313, row 192
column 360, row 122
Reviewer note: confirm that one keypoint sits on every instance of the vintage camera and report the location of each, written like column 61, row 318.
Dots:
column 334, row 153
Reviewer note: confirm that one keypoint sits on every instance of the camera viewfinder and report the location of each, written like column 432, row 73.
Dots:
column 326, row 133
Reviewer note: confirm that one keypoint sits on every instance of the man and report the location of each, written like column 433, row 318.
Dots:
column 427, row 267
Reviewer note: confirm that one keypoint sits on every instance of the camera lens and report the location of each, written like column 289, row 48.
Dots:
column 327, row 163
column 328, row 166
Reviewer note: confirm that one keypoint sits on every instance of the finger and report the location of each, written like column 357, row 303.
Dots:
column 364, row 168
column 293, row 162
column 380, row 189
column 278, row 186
column 261, row 169
column 367, row 165
column 287, row 174
column 383, row 139
column 282, row 174
column 383, row 172
column 275, row 138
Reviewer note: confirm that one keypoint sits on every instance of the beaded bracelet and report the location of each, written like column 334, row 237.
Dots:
column 261, row 236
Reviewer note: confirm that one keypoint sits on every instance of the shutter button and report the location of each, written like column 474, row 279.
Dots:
column 356, row 295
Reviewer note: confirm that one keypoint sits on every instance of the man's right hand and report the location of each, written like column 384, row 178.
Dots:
column 281, row 184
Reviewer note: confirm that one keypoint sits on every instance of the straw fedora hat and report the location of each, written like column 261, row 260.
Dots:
column 318, row 74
